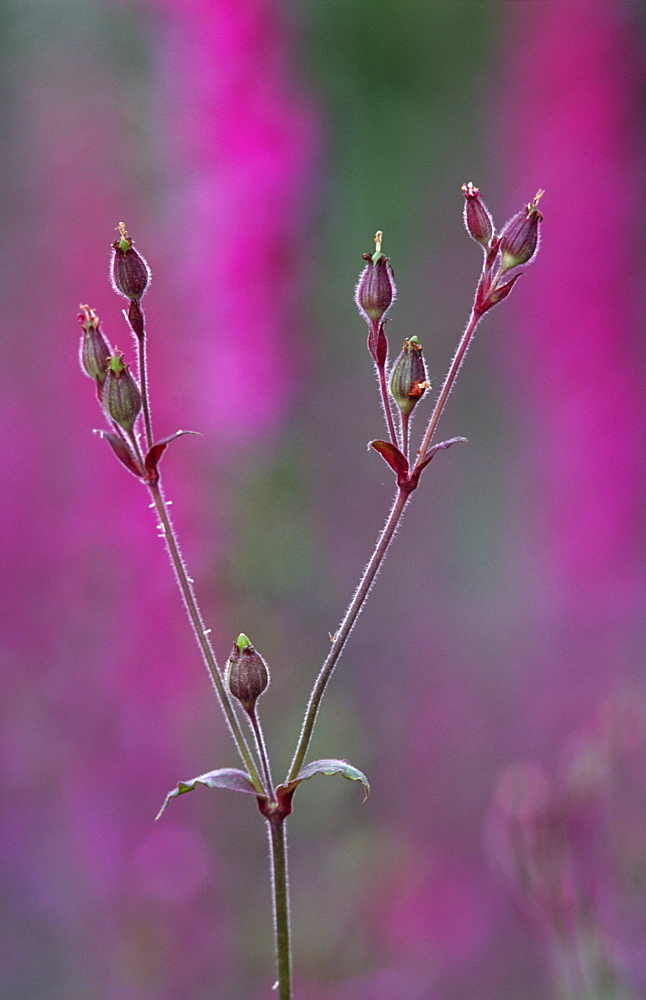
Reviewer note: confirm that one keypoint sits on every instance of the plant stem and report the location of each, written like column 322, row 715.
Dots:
column 262, row 751
column 280, row 894
column 451, row 376
column 143, row 379
column 355, row 606
column 385, row 400
column 201, row 635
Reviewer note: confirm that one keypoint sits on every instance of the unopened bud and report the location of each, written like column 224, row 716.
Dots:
column 246, row 673
column 95, row 352
column 408, row 380
column 519, row 238
column 130, row 272
column 476, row 216
column 121, row 396
column 375, row 290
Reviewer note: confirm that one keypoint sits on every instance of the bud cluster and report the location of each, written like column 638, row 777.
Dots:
column 515, row 245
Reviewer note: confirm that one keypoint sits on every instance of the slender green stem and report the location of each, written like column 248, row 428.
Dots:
column 451, row 376
column 262, row 751
column 280, row 893
column 202, row 635
column 355, row 606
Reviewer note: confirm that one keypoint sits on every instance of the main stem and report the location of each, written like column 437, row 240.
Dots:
column 201, row 635
column 280, row 892
column 344, row 629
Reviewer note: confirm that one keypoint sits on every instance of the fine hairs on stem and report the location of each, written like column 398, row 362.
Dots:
column 401, row 385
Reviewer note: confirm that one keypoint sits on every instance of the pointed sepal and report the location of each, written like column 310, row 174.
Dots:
column 225, row 777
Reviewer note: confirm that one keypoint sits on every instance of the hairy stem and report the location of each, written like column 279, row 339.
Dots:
column 355, row 606
column 385, row 400
column 202, row 636
column 280, row 894
column 143, row 380
column 262, row 751
column 451, row 376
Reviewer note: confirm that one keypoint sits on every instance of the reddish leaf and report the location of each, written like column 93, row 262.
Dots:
column 442, row 446
column 157, row 450
column 396, row 460
column 123, row 452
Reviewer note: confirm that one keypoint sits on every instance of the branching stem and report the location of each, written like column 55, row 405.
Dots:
column 202, row 636
column 355, row 606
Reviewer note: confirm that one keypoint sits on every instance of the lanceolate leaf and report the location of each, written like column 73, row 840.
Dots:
column 224, row 777
column 154, row 455
column 123, row 453
column 396, row 460
column 286, row 790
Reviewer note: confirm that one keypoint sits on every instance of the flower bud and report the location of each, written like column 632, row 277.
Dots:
column 130, row 272
column 375, row 291
column 95, row 353
column 246, row 673
column 408, row 378
column 121, row 396
column 519, row 238
column 476, row 216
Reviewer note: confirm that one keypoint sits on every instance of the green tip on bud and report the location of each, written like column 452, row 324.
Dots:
column 130, row 272
column 121, row 397
column 408, row 381
column 246, row 674
column 375, row 291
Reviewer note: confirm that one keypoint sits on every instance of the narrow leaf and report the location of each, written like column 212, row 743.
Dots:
column 224, row 777
column 326, row 766
column 123, row 453
column 396, row 460
column 157, row 450
column 442, row 446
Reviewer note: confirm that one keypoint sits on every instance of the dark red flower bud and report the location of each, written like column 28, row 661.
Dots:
column 520, row 236
column 408, row 380
column 476, row 216
column 375, row 291
column 246, row 673
column 130, row 272
column 95, row 352
column 121, row 396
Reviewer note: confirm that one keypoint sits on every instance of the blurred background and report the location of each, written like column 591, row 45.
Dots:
column 493, row 689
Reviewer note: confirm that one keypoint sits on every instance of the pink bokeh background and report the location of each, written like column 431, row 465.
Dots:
column 493, row 690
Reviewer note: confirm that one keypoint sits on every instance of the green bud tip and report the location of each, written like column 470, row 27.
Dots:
column 124, row 240
column 117, row 365
column 242, row 641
